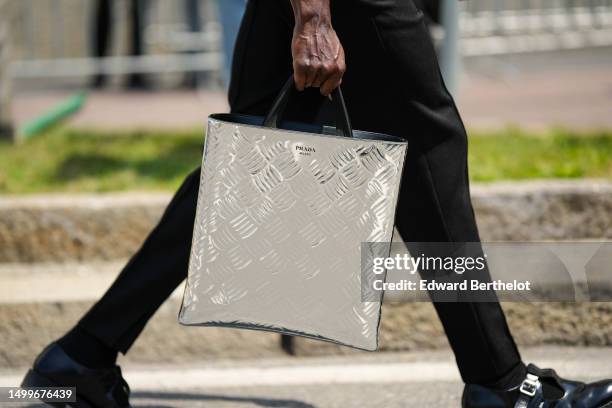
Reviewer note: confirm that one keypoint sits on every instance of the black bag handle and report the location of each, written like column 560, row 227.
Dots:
column 343, row 123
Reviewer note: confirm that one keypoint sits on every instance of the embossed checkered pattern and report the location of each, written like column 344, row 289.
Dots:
column 280, row 220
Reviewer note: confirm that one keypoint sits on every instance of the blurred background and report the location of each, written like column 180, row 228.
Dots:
column 102, row 112
column 542, row 62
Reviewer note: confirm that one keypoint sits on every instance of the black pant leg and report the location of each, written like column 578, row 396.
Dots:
column 261, row 62
column 152, row 274
column 161, row 263
column 393, row 85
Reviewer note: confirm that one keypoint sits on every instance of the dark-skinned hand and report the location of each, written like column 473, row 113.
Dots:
column 318, row 56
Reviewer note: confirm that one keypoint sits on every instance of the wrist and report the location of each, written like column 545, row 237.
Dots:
column 311, row 13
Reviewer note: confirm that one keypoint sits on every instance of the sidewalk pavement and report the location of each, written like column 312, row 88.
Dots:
column 424, row 379
column 570, row 89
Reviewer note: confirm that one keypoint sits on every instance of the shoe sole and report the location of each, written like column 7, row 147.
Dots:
column 34, row 379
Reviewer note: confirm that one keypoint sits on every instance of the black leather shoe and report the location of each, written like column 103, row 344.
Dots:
column 542, row 388
column 95, row 388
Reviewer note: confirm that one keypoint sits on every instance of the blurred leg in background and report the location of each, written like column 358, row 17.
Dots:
column 102, row 28
column 138, row 12
column 6, row 128
column 103, row 24
column 191, row 10
column 230, row 16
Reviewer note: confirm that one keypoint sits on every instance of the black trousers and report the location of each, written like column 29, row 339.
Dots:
column 392, row 85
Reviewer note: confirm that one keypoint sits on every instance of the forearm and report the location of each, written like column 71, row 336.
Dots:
column 313, row 12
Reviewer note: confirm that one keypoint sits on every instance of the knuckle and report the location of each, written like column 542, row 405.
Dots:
column 328, row 67
column 302, row 62
column 304, row 65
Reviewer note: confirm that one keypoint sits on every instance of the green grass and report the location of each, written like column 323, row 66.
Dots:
column 74, row 160
column 85, row 161
column 513, row 154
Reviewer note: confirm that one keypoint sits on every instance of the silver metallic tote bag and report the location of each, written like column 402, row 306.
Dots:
column 283, row 209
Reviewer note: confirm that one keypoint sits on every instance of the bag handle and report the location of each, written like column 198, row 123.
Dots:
column 343, row 123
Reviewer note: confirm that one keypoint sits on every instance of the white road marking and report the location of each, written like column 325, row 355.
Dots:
column 59, row 282
column 178, row 378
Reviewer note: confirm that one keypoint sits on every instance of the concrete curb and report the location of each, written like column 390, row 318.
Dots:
column 28, row 327
column 89, row 227
column 544, row 210
column 33, row 316
column 66, row 229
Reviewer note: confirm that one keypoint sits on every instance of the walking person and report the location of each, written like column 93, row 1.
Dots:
column 102, row 35
column 382, row 54
column 230, row 16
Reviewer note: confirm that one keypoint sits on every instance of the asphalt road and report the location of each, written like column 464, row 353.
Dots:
column 426, row 379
